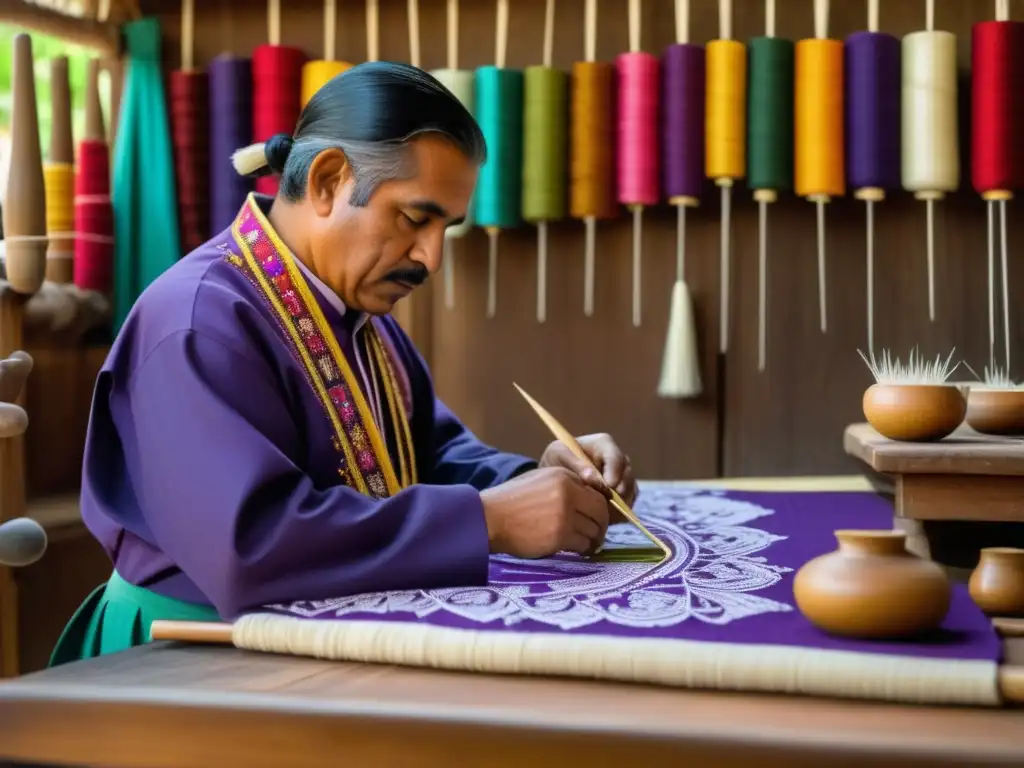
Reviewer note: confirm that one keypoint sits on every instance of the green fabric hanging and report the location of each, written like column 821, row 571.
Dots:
column 143, row 189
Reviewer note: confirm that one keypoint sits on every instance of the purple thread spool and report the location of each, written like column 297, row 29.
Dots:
column 683, row 133
column 873, row 111
column 230, row 129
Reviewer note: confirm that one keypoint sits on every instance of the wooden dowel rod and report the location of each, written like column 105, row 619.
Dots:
column 192, row 631
column 102, row 36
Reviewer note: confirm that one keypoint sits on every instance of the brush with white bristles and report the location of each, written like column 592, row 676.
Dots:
column 917, row 370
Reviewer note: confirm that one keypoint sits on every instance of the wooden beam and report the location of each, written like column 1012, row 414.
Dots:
column 104, row 36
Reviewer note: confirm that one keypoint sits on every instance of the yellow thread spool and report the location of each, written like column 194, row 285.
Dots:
column 726, row 110
column 59, row 181
column 818, row 139
column 315, row 75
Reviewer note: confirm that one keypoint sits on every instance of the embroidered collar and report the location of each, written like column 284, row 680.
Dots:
column 366, row 463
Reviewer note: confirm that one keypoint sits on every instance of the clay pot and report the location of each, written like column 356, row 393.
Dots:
column 914, row 412
column 871, row 587
column 997, row 584
column 996, row 411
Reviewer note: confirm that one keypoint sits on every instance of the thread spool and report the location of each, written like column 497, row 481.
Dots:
column 872, row 70
column 769, row 144
column 59, row 178
column 544, row 159
column 94, row 219
column 316, row 73
column 725, row 157
column 997, row 169
column 818, row 130
column 24, row 209
column 499, row 101
column 638, row 180
column 190, row 132
column 592, row 154
column 277, row 90
column 930, row 154
column 231, row 110
column 498, row 94
column 460, row 83
column 682, row 136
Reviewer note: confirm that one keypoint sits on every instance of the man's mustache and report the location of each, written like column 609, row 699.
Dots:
column 416, row 275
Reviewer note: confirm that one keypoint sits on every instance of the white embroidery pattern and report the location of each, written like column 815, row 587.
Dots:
column 712, row 576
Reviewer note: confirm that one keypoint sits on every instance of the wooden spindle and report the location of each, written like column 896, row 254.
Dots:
column 25, row 205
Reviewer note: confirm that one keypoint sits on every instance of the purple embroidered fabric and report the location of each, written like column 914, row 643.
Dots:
column 730, row 580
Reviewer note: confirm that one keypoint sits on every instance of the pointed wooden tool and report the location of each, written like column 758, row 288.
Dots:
column 561, row 433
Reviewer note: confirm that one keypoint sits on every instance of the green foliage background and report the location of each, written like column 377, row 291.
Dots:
column 44, row 48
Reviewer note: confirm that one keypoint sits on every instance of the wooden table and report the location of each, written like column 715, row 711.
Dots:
column 954, row 496
column 168, row 705
column 171, row 706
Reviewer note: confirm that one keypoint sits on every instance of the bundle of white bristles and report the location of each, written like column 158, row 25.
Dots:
column 248, row 160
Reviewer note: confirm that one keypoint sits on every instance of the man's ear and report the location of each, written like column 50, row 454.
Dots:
column 329, row 172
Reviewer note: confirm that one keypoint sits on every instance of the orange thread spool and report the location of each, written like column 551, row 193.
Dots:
column 592, row 170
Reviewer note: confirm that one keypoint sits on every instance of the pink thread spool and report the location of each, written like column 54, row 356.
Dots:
column 639, row 174
column 638, row 171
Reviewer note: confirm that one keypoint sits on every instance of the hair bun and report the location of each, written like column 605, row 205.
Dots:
column 277, row 148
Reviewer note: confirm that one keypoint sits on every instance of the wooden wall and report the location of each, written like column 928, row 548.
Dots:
column 601, row 373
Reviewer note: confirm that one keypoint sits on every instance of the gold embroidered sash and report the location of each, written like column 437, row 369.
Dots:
column 366, row 463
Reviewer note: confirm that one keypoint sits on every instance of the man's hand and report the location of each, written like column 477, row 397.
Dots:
column 613, row 467
column 543, row 512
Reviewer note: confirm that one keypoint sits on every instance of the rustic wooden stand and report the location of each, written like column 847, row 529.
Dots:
column 953, row 496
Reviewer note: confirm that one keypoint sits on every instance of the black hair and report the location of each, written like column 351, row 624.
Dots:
column 371, row 112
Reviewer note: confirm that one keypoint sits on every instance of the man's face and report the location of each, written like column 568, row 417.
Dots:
column 372, row 256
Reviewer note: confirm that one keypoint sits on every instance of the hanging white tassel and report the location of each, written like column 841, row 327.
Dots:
column 680, row 367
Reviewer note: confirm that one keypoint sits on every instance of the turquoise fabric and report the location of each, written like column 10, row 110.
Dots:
column 117, row 616
column 143, row 189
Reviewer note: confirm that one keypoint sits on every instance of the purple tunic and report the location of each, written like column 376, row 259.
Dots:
column 211, row 470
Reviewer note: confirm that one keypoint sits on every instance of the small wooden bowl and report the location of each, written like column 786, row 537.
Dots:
column 914, row 412
column 996, row 411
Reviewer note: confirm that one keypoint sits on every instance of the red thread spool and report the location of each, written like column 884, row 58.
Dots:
column 997, row 109
column 94, row 219
column 190, row 131
column 277, row 97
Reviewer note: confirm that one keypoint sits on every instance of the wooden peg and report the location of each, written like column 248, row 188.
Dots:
column 25, row 206
column 62, row 148
column 93, row 108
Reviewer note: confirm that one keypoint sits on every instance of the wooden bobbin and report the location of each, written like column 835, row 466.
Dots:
column 724, row 181
column 994, row 195
column 929, row 194
column 765, row 195
column 60, row 254
column 25, row 206
column 819, row 198
column 686, row 200
column 870, row 194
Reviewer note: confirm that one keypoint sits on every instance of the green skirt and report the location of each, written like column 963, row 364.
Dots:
column 117, row 616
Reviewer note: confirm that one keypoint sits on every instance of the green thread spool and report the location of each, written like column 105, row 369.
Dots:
column 545, row 150
column 770, row 111
column 545, row 144
column 769, row 147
